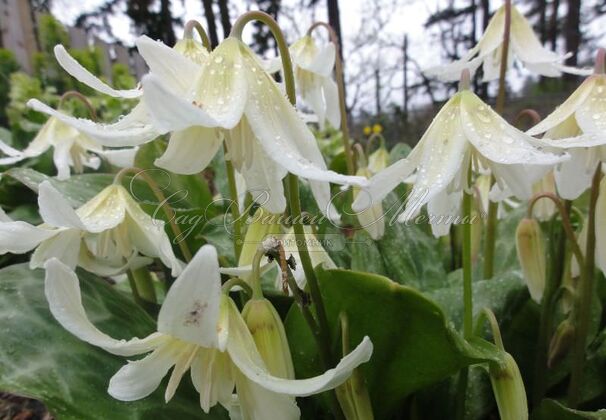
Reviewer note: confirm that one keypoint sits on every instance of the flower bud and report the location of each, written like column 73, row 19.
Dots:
column 268, row 332
column 531, row 254
column 508, row 389
column 543, row 209
column 353, row 398
column 561, row 342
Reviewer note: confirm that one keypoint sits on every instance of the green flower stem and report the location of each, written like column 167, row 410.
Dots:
column 493, row 207
column 234, row 205
column 487, row 315
column 582, row 309
column 351, row 167
column 170, row 213
column 371, row 140
column 255, row 277
column 188, row 32
column 236, row 281
column 467, row 295
column 293, row 189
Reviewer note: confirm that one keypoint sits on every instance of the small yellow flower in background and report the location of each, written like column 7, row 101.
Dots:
column 367, row 130
column 377, row 128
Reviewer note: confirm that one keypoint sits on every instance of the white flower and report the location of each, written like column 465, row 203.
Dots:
column 524, row 45
column 107, row 235
column 313, row 68
column 579, row 127
column 200, row 330
column 464, row 129
column 71, row 148
column 266, row 136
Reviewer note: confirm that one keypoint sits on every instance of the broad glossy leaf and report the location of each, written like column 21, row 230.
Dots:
column 78, row 189
column 414, row 344
column 38, row 358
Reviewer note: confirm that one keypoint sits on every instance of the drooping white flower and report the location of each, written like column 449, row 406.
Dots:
column 200, row 330
column 524, row 46
column 313, row 66
column 71, row 148
column 107, row 235
column 465, row 129
column 372, row 218
column 266, row 136
column 579, row 127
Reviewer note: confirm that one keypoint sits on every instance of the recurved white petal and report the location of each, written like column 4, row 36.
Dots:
column 21, row 237
column 191, row 309
column 574, row 176
column 190, row 150
column 443, row 210
column 55, row 209
column 122, row 158
column 497, row 140
column 591, row 114
column 132, row 130
column 62, row 290
column 243, row 352
column 331, row 97
column 171, row 111
column 324, row 60
column 568, row 108
column 140, row 378
column 183, row 362
column 75, row 69
column 174, row 69
column 525, row 43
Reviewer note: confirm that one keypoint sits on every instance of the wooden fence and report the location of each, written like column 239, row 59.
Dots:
column 18, row 34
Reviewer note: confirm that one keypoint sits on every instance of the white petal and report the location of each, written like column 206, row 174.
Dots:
column 496, row 139
column 62, row 160
column 55, row 209
column 313, row 96
column 283, row 135
column 122, row 158
column 257, row 403
column 525, row 43
column 189, row 151
column 443, row 156
column 148, row 234
column 211, row 374
column 109, row 267
column 131, row 130
column 65, row 246
column 264, row 180
column 442, row 211
column 4, row 217
column 568, row 108
column 222, row 88
column 138, row 379
column 324, row 61
column 191, row 308
column 21, row 237
column 104, row 211
column 519, row 179
column 182, row 365
column 574, row 177
column 75, row 69
column 171, row 111
column 591, row 114
column 243, row 352
column 62, row 291
column 173, row 68
column 10, row 151
column 331, row 97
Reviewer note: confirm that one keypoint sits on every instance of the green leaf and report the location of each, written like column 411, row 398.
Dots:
column 38, row 358
column 424, row 350
column 78, row 189
column 365, row 254
column 399, row 151
column 551, row 409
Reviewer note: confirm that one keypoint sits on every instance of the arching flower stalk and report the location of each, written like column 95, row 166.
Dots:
column 525, row 47
column 107, row 235
column 199, row 330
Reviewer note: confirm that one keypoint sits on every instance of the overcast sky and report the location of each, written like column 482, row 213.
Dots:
column 366, row 24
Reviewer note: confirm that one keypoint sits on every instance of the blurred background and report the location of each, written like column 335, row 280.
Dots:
column 385, row 43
